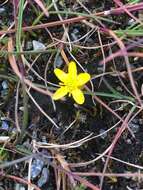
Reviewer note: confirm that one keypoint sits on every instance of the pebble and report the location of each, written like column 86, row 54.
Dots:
column 134, row 127
column 38, row 45
column 5, row 125
column 44, row 177
column 36, row 167
column 58, row 62
column 19, row 187
column 131, row 22
column 2, row 10
column 104, row 135
column 4, row 85
column 75, row 34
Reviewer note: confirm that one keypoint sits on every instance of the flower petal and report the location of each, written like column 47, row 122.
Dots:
column 82, row 78
column 78, row 96
column 61, row 75
column 62, row 91
column 72, row 70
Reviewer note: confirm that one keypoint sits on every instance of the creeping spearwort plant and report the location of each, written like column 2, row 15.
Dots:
column 71, row 83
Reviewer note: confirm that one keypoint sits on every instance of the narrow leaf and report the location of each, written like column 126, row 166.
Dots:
column 41, row 5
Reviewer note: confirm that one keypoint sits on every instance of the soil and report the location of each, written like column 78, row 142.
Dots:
column 90, row 118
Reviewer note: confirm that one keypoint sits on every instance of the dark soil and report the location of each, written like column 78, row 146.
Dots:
column 90, row 117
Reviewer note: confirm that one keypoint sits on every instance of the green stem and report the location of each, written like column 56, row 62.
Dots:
column 131, row 33
column 9, row 77
column 19, row 27
column 25, row 114
column 18, row 48
column 28, row 52
column 117, row 96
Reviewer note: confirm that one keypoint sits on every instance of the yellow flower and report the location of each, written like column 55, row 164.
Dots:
column 71, row 83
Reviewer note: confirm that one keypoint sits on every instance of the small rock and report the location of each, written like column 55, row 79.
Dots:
column 129, row 141
column 5, row 125
column 4, row 89
column 58, row 61
column 131, row 21
column 38, row 45
column 75, row 34
column 36, row 167
column 44, row 177
column 134, row 127
column 4, row 85
column 19, row 187
column 104, row 135
column 2, row 10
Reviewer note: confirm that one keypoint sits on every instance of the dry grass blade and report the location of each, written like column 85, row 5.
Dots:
column 15, row 68
column 114, row 142
column 71, row 145
column 62, row 146
column 75, row 19
column 126, row 175
column 4, row 139
column 125, row 55
column 22, row 181
column 120, row 4
column 41, row 5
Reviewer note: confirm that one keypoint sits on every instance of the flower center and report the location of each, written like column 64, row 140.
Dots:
column 71, row 84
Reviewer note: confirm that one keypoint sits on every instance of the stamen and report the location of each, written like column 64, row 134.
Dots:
column 61, row 84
